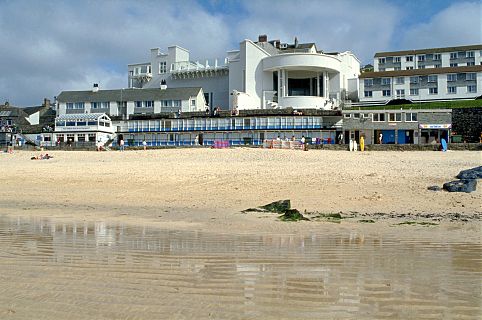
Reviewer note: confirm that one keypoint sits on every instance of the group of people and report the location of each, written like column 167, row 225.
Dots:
column 41, row 157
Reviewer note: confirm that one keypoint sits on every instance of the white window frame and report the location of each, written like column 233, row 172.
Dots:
column 451, row 77
column 414, row 90
column 452, row 90
column 432, row 78
column 469, row 88
column 409, row 68
column 394, row 117
column 469, row 54
column 382, row 60
column 378, row 115
column 421, row 57
column 369, row 95
column 433, row 90
column 347, row 115
column 470, row 76
column 437, row 56
column 162, row 67
column 397, row 59
column 400, row 80
column 400, row 93
column 368, row 82
column 416, row 78
column 408, row 58
column 386, row 81
column 387, row 93
column 453, row 65
column 409, row 117
column 453, row 55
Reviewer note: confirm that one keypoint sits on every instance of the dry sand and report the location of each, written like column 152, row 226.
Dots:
column 207, row 189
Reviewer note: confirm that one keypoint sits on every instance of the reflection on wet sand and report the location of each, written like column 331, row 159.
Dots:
column 96, row 270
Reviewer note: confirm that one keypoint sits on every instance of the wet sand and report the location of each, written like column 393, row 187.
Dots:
column 145, row 234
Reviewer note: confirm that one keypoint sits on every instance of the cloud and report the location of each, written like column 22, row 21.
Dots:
column 458, row 24
column 357, row 26
column 50, row 46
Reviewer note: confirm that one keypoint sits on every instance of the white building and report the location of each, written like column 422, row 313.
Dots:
column 127, row 102
column 424, row 75
column 83, row 128
column 260, row 75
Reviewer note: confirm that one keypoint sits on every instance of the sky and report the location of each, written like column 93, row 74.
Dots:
column 50, row 46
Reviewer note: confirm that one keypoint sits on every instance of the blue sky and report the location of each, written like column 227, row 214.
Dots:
column 50, row 46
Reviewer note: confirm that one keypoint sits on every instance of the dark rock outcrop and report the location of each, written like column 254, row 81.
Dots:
column 474, row 173
column 463, row 185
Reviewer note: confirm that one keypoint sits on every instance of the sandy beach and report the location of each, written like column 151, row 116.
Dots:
column 206, row 188
column 159, row 234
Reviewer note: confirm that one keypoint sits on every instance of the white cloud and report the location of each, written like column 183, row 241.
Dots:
column 50, row 46
column 340, row 25
column 459, row 24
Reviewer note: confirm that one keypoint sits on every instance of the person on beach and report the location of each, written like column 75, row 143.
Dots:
column 340, row 138
column 380, row 138
column 121, row 144
column 196, row 140
column 144, row 144
column 303, row 139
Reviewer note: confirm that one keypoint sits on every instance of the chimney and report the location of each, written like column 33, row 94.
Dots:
column 296, row 42
column 95, row 88
column 46, row 102
column 262, row 38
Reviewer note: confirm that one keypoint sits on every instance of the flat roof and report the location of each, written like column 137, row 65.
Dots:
column 420, row 72
column 429, row 50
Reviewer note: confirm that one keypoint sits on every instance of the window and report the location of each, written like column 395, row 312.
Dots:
column 453, row 55
column 433, row 90
column 386, row 93
column 394, row 117
column 472, row 89
column 80, row 137
column 452, row 90
column 356, row 116
column 414, row 92
column 386, row 81
column 69, row 105
column 421, row 58
column 410, row 117
column 471, row 63
column 400, row 92
column 138, row 104
column 454, row 64
column 193, row 102
column 368, row 94
column 470, row 76
column 347, row 115
column 381, row 69
column 95, row 105
column 421, row 67
column 162, row 67
column 92, row 137
column 409, row 68
column 451, row 77
column 469, row 54
column 397, row 68
column 432, row 78
column 81, row 123
column 78, row 105
column 409, row 58
column 400, row 80
column 397, row 59
column 413, row 79
column 437, row 56
column 176, row 103
column 438, row 65
column 149, row 104
column 381, row 60
column 368, row 82
column 166, row 103
column 378, row 117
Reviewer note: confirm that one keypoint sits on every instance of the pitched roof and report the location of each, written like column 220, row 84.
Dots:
column 420, row 72
column 430, row 50
column 128, row 95
column 81, row 116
